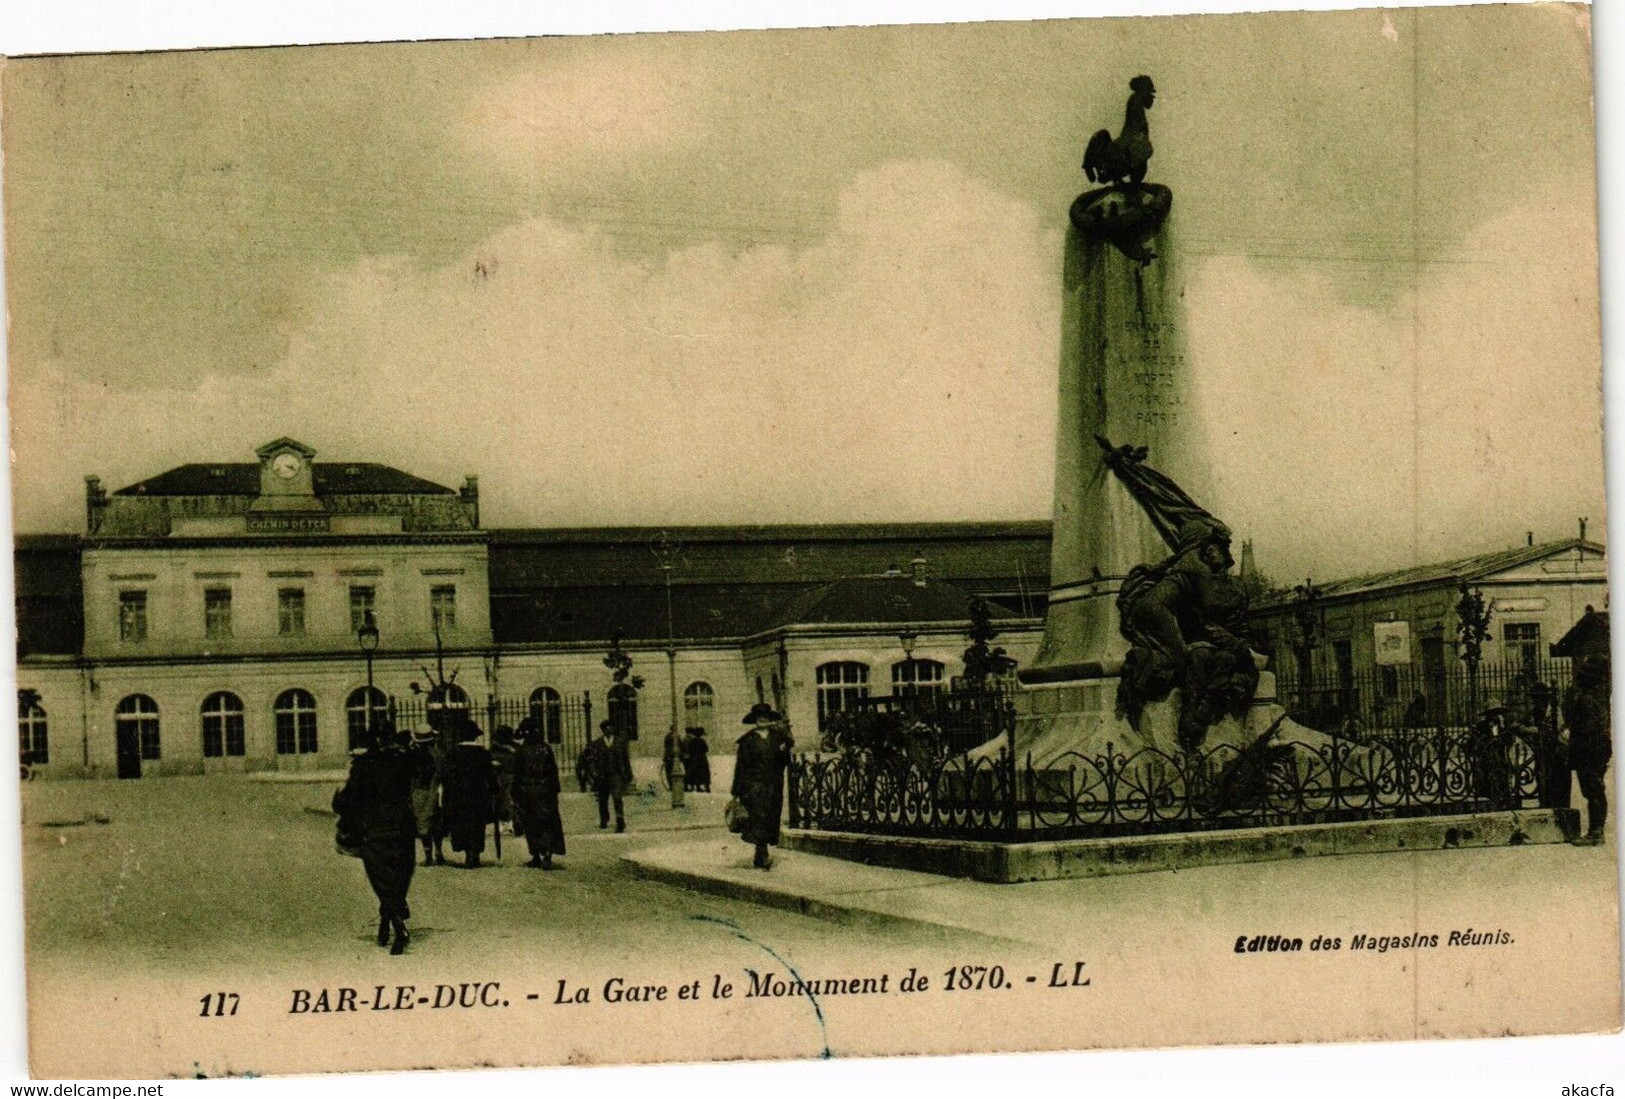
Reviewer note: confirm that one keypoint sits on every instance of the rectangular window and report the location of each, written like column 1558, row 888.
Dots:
column 217, row 613
column 363, row 602
column 290, row 612
column 132, row 616
column 1522, row 640
column 1343, row 657
column 840, row 685
column 443, row 607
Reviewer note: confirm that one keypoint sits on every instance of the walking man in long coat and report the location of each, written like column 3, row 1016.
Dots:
column 375, row 806
column 536, row 796
column 763, row 753
column 470, row 794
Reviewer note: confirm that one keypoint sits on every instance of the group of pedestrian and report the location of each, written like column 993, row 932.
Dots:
column 690, row 747
column 404, row 790
column 407, row 789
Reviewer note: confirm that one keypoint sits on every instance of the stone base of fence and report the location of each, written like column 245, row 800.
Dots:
column 987, row 861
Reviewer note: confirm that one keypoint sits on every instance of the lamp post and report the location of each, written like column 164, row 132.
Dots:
column 367, row 636
column 665, row 551
column 908, row 682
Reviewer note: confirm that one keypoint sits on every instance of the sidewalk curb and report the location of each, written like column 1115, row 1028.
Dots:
column 829, row 908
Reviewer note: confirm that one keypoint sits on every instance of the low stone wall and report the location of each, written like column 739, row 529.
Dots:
column 1053, row 860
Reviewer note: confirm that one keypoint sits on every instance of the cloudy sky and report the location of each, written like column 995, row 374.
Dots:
column 814, row 275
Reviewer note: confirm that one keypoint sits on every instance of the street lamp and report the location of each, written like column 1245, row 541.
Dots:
column 367, row 636
column 665, row 551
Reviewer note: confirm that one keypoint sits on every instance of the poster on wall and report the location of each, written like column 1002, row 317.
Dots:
column 1393, row 642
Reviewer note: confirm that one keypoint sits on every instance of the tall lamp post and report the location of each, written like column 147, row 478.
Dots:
column 665, row 551
column 367, row 636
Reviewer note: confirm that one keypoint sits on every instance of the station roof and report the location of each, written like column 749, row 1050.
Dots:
column 857, row 600
column 1453, row 572
column 975, row 553
column 243, row 479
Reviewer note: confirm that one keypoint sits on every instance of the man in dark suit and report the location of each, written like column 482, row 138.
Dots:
column 609, row 771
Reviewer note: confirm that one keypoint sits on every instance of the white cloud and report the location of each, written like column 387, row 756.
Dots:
column 1467, row 413
column 901, row 368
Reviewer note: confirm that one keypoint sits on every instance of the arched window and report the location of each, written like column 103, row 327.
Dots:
column 295, row 713
column 623, row 709
column 222, row 715
column 32, row 738
column 136, row 723
column 699, row 704
column 547, row 711
column 911, row 678
column 356, row 715
column 840, row 683
column 447, row 707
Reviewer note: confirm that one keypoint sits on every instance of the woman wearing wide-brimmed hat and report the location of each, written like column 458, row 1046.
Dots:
column 763, row 752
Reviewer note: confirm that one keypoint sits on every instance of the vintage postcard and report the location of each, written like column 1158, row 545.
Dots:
column 810, row 543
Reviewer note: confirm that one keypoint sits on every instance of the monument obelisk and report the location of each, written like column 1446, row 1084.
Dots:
column 1123, row 378
column 1125, row 395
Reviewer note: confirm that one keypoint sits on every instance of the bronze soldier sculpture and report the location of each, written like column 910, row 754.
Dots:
column 1184, row 617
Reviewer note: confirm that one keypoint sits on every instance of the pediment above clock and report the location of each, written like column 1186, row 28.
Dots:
column 277, row 446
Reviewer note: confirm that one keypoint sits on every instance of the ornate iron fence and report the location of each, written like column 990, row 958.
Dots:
column 1113, row 794
column 1418, row 696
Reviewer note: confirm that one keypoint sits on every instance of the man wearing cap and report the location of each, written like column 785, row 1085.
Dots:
column 762, row 754
column 609, row 771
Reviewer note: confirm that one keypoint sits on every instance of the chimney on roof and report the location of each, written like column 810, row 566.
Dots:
column 1582, row 528
column 1529, row 537
column 95, row 503
column 470, row 496
column 1248, row 567
column 917, row 568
